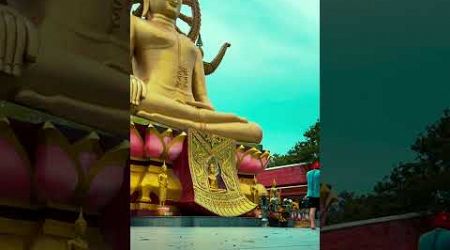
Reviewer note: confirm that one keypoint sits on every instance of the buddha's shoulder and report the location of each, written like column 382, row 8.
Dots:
column 187, row 42
column 140, row 23
column 134, row 20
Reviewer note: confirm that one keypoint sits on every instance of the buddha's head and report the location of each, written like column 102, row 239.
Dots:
column 213, row 168
column 168, row 8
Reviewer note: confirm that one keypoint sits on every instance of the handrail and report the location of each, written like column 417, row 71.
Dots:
column 370, row 221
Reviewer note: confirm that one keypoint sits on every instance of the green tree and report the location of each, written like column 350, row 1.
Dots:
column 410, row 187
column 306, row 150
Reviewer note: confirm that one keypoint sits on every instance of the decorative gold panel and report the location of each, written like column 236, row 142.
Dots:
column 213, row 171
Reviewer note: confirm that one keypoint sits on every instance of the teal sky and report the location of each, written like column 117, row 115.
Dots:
column 385, row 78
column 270, row 74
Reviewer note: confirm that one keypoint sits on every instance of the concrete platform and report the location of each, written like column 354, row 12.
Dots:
column 195, row 221
column 224, row 238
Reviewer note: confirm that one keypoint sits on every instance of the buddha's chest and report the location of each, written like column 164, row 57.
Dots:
column 168, row 43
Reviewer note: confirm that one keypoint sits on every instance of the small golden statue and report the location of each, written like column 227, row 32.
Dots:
column 273, row 190
column 168, row 83
column 255, row 191
column 79, row 242
column 163, row 183
column 213, row 171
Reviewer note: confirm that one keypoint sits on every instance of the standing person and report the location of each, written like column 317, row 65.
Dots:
column 439, row 237
column 327, row 198
column 313, row 193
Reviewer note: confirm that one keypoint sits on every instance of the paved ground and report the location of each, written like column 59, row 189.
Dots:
column 223, row 238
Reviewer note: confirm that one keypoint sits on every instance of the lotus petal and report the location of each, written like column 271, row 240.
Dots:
column 175, row 147
column 253, row 161
column 56, row 169
column 15, row 171
column 247, row 158
column 106, row 177
column 136, row 143
column 265, row 157
column 167, row 136
column 87, row 151
column 239, row 153
column 154, row 146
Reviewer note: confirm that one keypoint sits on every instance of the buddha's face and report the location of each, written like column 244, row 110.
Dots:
column 168, row 8
column 213, row 168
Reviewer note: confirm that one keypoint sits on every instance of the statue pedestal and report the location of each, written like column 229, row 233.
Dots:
column 43, row 235
column 164, row 211
column 56, row 165
column 155, row 210
column 189, row 157
column 192, row 157
column 195, row 221
column 144, row 206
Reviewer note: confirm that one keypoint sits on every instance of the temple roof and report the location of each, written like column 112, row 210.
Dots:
column 287, row 175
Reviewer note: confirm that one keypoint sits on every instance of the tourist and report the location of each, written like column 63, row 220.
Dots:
column 327, row 198
column 313, row 193
column 439, row 237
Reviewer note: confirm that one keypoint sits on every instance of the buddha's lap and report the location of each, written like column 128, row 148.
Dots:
column 160, row 104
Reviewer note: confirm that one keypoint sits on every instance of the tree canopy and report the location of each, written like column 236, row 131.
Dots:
column 420, row 185
column 306, row 150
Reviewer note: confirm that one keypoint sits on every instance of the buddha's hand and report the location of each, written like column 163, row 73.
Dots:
column 138, row 91
column 18, row 41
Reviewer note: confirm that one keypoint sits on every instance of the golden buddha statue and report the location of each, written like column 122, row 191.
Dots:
column 212, row 176
column 82, row 73
column 79, row 242
column 273, row 190
column 169, row 85
column 163, row 183
column 255, row 191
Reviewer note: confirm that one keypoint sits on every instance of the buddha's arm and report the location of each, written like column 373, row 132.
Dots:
column 137, row 87
column 199, row 84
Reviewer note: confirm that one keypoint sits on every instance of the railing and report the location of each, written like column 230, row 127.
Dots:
column 400, row 232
